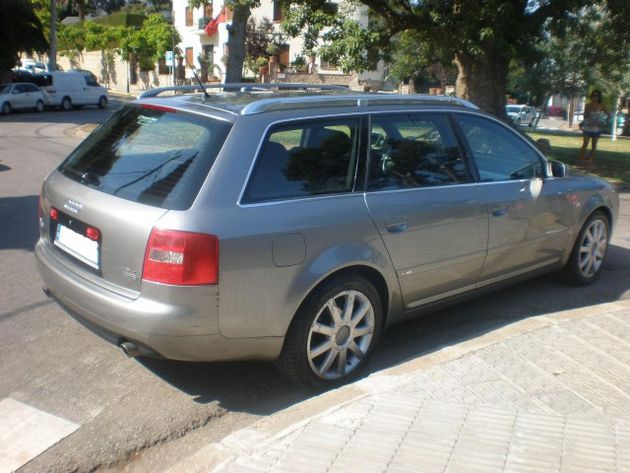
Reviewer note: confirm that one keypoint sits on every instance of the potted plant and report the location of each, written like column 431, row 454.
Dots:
column 273, row 50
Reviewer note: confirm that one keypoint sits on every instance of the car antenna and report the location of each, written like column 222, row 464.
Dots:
column 205, row 92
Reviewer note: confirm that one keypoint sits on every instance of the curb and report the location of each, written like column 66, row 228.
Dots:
column 292, row 420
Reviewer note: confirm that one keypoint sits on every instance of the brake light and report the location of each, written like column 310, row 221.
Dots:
column 181, row 258
column 92, row 233
column 54, row 213
column 159, row 108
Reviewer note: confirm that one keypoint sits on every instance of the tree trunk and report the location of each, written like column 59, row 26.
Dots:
column 52, row 54
column 483, row 82
column 236, row 44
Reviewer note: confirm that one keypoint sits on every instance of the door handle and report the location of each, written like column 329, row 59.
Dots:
column 500, row 212
column 396, row 226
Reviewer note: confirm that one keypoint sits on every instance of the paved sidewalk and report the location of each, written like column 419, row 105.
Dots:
column 548, row 394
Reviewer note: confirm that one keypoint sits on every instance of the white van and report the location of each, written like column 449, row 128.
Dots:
column 72, row 89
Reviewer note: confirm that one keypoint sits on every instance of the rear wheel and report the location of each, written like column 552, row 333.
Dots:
column 66, row 104
column 6, row 108
column 102, row 102
column 39, row 106
column 333, row 334
column 589, row 252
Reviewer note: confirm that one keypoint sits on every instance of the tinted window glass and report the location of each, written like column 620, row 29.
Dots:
column 414, row 150
column 5, row 89
column 90, row 79
column 20, row 89
column 149, row 156
column 30, row 88
column 500, row 154
column 311, row 158
column 42, row 80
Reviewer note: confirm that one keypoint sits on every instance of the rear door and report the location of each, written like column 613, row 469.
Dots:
column 428, row 210
column 111, row 191
column 19, row 97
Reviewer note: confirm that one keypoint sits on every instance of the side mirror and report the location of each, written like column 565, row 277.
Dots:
column 558, row 168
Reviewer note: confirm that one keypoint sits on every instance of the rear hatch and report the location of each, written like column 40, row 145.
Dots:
column 100, row 205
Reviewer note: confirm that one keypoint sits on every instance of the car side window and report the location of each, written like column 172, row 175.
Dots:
column 305, row 159
column 414, row 150
column 30, row 88
column 18, row 89
column 500, row 154
column 90, row 80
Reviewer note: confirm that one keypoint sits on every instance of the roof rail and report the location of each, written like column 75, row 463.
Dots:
column 239, row 87
column 364, row 100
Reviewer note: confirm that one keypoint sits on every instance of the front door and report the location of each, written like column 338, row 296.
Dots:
column 428, row 210
column 526, row 210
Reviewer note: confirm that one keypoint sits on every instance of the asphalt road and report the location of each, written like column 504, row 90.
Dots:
column 144, row 415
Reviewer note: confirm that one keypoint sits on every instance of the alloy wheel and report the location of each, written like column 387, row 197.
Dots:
column 593, row 248
column 340, row 335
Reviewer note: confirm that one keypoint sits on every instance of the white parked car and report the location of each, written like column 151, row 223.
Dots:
column 521, row 114
column 21, row 95
column 72, row 89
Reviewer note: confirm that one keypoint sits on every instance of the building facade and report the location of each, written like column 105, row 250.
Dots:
column 204, row 34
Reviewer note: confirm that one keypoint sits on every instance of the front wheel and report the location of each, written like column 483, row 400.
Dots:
column 102, row 102
column 333, row 334
column 589, row 251
column 66, row 104
column 39, row 106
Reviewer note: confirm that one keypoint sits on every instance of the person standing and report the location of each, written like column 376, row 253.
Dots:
column 594, row 113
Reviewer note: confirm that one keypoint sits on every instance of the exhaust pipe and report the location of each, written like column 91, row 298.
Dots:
column 130, row 349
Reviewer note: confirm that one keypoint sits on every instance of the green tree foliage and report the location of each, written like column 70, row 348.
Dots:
column 258, row 38
column 80, row 7
column 150, row 42
column 414, row 60
column 147, row 43
column 21, row 31
column 481, row 37
column 589, row 51
column 109, row 6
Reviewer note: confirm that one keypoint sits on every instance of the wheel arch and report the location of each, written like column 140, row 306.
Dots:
column 373, row 275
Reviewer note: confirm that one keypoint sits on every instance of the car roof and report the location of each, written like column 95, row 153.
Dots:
column 252, row 99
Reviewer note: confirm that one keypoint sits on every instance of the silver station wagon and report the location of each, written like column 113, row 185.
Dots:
column 297, row 225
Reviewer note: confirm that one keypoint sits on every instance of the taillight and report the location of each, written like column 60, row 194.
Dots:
column 54, row 213
column 181, row 258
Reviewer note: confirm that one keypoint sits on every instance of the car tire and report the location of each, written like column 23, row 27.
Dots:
column 518, row 123
column 66, row 104
column 323, row 349
column 102, row 102
column 589, row 252
column 6, row 108
column 39, row 106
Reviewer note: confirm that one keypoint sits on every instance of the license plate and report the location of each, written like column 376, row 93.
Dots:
column 77, row 245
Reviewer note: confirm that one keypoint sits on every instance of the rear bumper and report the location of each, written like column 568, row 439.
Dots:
column 184, row 328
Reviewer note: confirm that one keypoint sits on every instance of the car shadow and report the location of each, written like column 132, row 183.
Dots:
column 19, row 222
column 257, row 388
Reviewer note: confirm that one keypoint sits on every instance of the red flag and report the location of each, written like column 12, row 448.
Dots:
column 213, row 26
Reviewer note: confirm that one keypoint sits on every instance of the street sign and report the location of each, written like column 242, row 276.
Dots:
column 168, row 58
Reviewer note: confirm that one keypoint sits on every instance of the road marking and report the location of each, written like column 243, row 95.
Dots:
column 25, row 432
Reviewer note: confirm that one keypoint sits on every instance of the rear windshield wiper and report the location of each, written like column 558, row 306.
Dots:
column 153, row 170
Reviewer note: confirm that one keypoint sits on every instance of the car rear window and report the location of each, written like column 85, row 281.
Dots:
column 150, row 156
